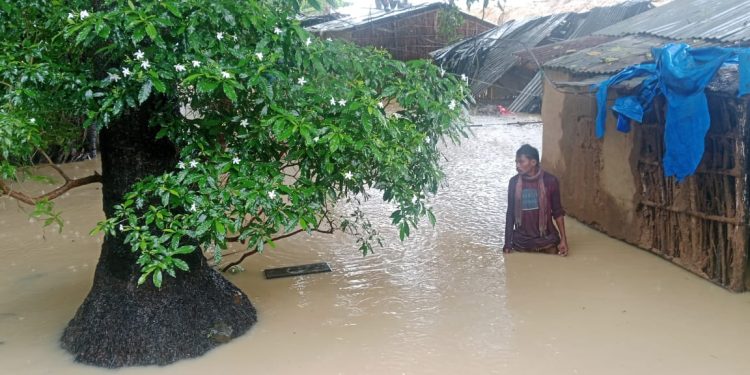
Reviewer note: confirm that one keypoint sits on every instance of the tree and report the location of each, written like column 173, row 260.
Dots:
column 219, row 121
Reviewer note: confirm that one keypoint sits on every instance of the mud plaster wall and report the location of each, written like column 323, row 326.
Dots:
column 599, row 183
column 617, row 184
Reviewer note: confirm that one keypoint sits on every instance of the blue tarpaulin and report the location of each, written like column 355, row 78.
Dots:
column 681, row 74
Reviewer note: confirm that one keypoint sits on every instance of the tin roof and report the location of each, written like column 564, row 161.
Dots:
column 613, row 56
column 351, row 23
column 485, row 58
column 552, row 51
column 714, row 20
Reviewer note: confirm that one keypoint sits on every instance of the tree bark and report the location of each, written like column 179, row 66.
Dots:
column 123, row 324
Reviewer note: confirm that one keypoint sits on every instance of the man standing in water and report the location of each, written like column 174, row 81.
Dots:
column 533, row 203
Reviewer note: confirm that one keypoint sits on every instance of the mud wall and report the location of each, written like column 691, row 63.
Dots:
column 617, row 184
column 599, row 186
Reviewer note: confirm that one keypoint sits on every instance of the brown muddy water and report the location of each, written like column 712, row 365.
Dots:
column 444, row 301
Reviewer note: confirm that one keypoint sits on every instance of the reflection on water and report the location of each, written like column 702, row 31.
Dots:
column 444, row 301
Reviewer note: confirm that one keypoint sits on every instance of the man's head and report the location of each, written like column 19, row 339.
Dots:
column 527, row 160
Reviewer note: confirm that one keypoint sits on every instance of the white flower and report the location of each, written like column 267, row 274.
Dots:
column 308, row 42
column 32, row 120
column 333, row 101
column 272, row 194
column 196, row 64
column 181, row 165
column 277, row 31
column 193, row 208
column 139, row 55
column 84, row 14
column 121, row 228
column 342, row 102
column 226, row 75
column 145, row 64
column 243, row 123
column 179, row 68
column 126, row 72
column 301, row 81
column 113, row 77
column 234, row 37
column 381, row 105
column 193, row 164
column 316, row 139
column 464, row 78
column 442, row 72
column 452, row 105
column 348, row 176
column 428, row 140
column 71, row 16
column 328, row 39
column 259, row 55
column 236, row 160
column 219, row 36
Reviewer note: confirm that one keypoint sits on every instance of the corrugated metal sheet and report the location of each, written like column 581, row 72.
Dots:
column 552, row 51
column 714, row 20
column 611, row 57
column 352, row 23
column 530, row 97
column 599, row 18
column 308, row 21
column 487, row 57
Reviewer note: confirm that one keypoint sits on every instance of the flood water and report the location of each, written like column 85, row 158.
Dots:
column 445, row 301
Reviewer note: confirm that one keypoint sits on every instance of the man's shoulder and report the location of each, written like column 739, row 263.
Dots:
column 549, row 177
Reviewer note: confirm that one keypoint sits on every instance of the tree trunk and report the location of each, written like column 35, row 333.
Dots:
column 122, row 324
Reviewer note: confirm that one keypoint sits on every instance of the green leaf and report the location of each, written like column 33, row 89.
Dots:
column 229, row 92
column 183, row 250
column 157, row 278
column 145, row 91
column 104, row 31
column 142, row 279
column 158, row 84
column 206, row 86
column 181, row 264
column 220, row 227
column 151, row 31
column 431, row 216
column 83, row 34
column 172, row 9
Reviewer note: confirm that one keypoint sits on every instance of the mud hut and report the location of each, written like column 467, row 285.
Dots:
column 617, row 184
column 407, row 33
column 490, row 60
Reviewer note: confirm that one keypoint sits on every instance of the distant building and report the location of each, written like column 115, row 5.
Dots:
column 496, row 74
column 407, row 33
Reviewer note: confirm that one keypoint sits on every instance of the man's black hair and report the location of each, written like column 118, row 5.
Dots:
column 529, row 152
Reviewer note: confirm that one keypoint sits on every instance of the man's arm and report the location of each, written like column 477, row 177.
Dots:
column 559, row 214
column 562, row 248
column 510, row 218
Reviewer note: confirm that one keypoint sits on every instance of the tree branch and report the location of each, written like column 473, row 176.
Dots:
column 69, row 185
column 242, row 258
column 244, row 225
column 55, row 166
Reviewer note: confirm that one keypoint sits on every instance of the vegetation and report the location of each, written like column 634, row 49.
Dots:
column 220, row 121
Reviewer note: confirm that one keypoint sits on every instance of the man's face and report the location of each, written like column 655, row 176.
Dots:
column 524, row 165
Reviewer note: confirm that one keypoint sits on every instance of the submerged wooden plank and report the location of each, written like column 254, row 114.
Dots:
column 304, row 269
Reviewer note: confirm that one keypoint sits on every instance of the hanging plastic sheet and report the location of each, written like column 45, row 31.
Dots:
column 681, row 74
